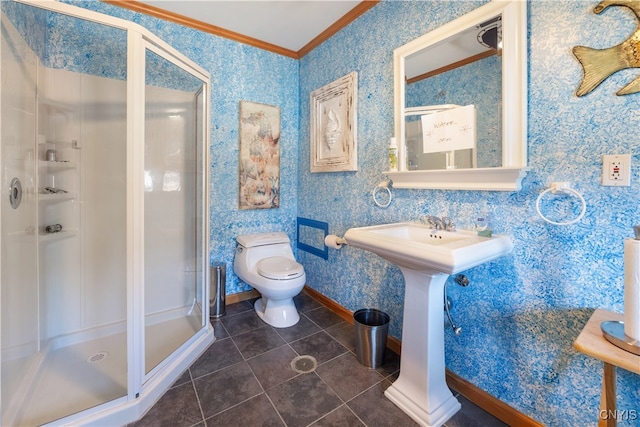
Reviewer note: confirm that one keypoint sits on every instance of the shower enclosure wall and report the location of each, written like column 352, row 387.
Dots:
column 104, row 227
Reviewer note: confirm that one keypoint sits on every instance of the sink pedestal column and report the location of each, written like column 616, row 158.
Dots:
column 421, row 390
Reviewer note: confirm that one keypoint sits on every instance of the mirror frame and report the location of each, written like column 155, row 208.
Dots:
column 509, row 176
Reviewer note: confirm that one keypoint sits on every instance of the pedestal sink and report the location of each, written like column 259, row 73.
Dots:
column 426, row 258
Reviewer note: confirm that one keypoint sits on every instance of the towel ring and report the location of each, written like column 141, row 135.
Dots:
column 386, row 196
column 561, row 188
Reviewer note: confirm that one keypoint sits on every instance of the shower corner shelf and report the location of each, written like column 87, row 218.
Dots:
column 55, row 237
column 61, row 144
column 63, row 164
column 56, row 198
column 59, row 170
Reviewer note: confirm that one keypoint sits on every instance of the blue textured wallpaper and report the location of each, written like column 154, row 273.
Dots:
column 30, row 22
column 521, row 313
column 76, row 44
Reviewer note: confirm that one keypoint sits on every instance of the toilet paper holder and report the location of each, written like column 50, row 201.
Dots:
column 335, row 242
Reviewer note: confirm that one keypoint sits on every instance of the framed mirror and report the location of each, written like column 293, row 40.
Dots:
column 460, row 94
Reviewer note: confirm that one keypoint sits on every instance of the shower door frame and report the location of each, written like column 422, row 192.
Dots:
column 143, row 390
column 138, row 47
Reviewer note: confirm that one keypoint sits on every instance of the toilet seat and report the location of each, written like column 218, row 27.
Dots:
column 280, row 268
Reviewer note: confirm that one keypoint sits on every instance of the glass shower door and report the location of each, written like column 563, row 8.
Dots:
column 103, row 232
column 173, row 194
column 64, row 299
column 18, row 251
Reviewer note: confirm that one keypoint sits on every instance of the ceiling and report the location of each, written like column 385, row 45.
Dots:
column 293, row 27
column 289, row 24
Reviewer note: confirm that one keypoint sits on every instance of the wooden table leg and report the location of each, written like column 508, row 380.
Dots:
column 608, row 415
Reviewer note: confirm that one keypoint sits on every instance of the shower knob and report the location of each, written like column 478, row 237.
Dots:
column 15, row 193
column 54, row 228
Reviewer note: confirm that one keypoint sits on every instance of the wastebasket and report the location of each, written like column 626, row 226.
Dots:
column 371, row 329
column 217, row 290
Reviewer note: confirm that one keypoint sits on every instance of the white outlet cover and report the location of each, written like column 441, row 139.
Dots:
column 622, row 175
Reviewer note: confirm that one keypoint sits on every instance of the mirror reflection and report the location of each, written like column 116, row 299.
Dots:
column 464, row 70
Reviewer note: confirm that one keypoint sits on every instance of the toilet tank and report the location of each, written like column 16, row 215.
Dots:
column 261, row 239
column 254, row 247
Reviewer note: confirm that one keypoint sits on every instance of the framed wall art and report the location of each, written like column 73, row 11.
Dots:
column 259, row 162
column 334, row 125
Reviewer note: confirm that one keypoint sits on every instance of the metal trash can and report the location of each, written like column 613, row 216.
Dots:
column 217, row 290
column 371, row 329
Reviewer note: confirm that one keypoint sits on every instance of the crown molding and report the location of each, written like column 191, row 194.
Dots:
column 157, row 12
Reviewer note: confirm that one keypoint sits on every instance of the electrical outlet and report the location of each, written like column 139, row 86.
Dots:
column 616, row 170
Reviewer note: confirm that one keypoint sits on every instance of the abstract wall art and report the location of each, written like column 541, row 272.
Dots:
column 259, row 162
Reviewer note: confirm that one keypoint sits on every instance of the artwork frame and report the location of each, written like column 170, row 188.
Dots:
column 258, row 156
column 333, row 126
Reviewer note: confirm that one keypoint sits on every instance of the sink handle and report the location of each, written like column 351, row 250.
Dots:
column 448, row 224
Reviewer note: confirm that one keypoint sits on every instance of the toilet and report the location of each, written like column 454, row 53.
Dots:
column 266, row 262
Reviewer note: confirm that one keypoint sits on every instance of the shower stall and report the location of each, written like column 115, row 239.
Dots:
column 104, row 227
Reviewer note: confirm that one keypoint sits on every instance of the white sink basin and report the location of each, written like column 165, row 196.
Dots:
column 419, row 247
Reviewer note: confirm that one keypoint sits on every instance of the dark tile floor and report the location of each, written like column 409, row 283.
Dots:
column 246, row 378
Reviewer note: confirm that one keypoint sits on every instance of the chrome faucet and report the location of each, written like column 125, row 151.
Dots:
column 444, row 223
column 434, row 222
column 448, row 224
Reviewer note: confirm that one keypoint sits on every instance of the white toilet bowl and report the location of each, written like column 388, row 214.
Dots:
column 266, row 262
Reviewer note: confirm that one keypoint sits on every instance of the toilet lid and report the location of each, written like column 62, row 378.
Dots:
column 280, row 268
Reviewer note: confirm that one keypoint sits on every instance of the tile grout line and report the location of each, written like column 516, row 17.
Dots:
column 366, row 390
column 244, row 401
column 335, row 357
column 195, row 390
column 300, row 338
column 238, row 404
column 275, row 409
